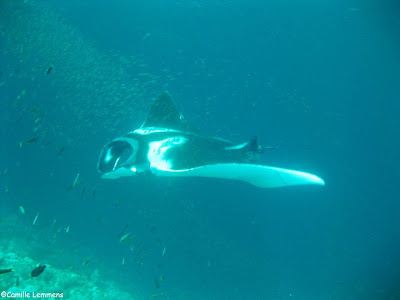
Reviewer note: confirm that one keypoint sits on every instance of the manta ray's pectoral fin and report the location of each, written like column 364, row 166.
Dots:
column 258, row 175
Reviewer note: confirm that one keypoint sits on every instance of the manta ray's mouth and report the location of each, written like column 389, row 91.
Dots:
column 116, row 154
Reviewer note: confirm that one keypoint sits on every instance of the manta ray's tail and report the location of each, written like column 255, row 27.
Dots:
column 250, row 150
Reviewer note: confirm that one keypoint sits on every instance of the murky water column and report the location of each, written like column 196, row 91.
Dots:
column 75, row 80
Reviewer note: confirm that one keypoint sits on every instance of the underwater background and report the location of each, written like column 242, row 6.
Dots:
column 318, row 80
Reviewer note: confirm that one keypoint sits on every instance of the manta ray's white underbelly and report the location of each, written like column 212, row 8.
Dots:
column 158, row 149
column 258, row 175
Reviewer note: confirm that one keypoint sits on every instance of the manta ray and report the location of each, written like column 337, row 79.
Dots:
column 167, row 144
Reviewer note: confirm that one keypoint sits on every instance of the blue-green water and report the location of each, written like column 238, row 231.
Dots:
column 320, row 80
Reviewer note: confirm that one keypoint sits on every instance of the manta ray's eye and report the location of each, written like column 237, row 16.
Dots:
column 115, row 155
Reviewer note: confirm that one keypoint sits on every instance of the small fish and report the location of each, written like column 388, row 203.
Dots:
column 60, row 151
column 67, row 229
column 127, row 237
column 20, row 144
column 35, row 220
column 123, row 230
column 162, row 277
column 146, row 36
column 37, row 271
column 163, row 251
column 139, row 251
column 48, row 71
column 21, row 208
column 30, row 141
column 3, row 271
column 123, row 260
column 53, row 224
column 94, row 191
column 85, row 263
column 76, row 181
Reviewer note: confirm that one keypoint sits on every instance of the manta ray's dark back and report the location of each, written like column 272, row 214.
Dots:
column 164, row 114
